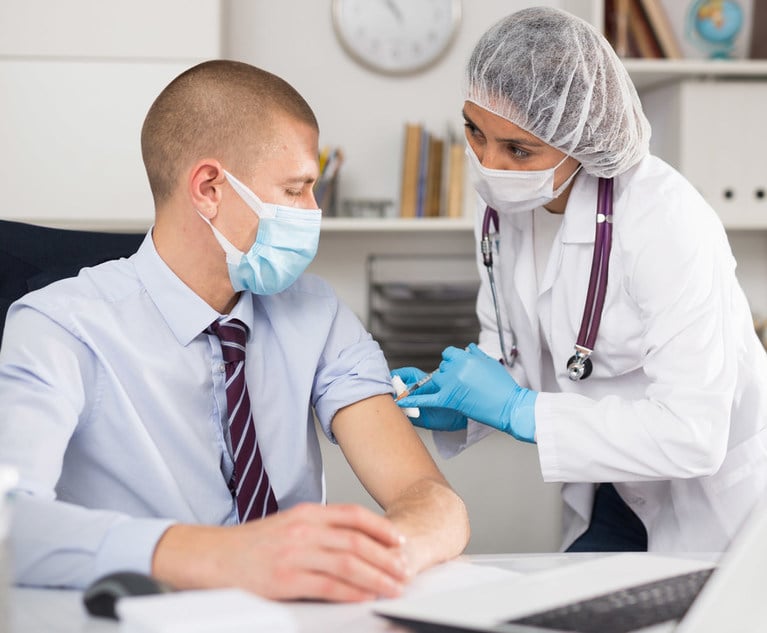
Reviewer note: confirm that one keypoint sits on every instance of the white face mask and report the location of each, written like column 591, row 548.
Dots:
column 513, row 191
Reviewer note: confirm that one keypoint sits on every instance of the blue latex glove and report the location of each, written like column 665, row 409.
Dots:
column 479, row 387
column 432, row 418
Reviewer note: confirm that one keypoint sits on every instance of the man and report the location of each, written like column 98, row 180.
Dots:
column 126, row 407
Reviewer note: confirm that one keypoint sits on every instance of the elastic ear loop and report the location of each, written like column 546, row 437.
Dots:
column 251, row 199
column 233, row 254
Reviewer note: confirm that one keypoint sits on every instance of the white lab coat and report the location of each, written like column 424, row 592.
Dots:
column 675, row 410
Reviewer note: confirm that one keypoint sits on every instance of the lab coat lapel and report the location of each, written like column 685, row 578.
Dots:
column 577, row 229
column 569, row 278
column 525, row 321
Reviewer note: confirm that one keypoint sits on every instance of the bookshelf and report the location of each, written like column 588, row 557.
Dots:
column 415, row 225
column 647, row 74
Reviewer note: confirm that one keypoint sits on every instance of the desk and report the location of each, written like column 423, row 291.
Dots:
column 61, row 611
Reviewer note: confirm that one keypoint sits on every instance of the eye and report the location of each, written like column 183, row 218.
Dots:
column 517, row 152
column 294, row 193
column 473, row 131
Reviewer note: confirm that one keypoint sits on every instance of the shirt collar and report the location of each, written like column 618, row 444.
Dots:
column 580, row 214
column 185, row 312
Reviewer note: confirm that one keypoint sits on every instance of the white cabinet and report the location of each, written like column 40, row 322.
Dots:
column 712, row 132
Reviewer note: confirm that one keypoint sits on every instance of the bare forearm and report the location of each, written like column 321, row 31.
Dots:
column 434, row 520
column 185, row 556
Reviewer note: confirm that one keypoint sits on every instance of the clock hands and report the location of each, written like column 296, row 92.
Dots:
column 394, row 8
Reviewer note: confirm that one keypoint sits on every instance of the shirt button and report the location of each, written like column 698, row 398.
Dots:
column 221, row 368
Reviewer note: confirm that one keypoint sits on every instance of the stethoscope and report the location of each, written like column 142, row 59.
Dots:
column 579, row 365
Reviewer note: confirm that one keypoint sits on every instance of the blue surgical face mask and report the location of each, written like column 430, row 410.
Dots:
column 286, row 243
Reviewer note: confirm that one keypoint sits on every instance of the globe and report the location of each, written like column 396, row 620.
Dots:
column 713, row 26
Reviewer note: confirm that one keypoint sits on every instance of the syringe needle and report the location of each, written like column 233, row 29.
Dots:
column 417, row 385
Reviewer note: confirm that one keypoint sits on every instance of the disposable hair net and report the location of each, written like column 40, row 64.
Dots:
column 555, row 76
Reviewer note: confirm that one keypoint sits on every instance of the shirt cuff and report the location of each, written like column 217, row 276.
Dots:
column 129, row 546
column 546, row 439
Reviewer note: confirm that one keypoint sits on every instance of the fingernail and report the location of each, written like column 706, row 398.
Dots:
column 394, row 589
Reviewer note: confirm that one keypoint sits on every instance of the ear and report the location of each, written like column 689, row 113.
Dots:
column 206, row 179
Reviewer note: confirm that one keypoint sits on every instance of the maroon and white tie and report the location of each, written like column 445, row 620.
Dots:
column 249, row 484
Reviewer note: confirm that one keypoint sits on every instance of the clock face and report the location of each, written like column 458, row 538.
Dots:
column 396, row 36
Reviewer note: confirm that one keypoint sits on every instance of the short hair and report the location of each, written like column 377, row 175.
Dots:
column 220, row 108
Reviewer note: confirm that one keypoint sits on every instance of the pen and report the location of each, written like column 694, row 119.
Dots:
column 412, row 388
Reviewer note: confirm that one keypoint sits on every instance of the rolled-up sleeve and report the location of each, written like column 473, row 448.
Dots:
column 352, row 368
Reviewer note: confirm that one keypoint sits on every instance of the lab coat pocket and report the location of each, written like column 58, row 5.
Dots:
column 740, row 482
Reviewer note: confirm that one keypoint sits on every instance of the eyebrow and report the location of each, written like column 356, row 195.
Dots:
column 303, row 179
column 526, row 141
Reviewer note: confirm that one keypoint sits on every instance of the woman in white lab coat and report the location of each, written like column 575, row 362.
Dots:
column 663, row 446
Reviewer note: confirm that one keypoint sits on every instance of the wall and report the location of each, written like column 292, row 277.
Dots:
column 76, row 80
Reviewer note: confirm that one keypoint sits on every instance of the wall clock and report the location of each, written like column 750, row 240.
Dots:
column 396, row 37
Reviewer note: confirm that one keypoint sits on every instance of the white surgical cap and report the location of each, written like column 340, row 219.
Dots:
column 555, row 76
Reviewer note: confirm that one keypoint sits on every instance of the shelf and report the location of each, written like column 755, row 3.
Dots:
column 350, row 225
column 647, row 73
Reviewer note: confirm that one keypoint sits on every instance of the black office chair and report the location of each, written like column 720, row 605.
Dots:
column 34, row 256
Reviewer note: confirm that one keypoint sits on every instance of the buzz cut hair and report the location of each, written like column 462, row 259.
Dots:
column 219, row 109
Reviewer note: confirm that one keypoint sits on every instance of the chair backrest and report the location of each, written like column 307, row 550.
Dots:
column 33, row 256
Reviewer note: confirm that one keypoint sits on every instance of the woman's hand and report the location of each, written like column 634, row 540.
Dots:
column 432, row 418
column 472, row 384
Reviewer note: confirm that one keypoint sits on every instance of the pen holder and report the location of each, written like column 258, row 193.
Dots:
column 8, row 479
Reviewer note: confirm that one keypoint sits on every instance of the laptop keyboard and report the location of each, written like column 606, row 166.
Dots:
column 625, row 610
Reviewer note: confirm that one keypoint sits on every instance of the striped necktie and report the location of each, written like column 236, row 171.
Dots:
column 250, row 485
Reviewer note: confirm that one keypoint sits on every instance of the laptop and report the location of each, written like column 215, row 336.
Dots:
column 616, row 593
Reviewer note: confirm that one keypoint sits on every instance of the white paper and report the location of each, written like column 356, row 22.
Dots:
column 213, row 611
column 319, row 617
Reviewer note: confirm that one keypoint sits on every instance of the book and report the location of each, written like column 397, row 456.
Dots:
column 455, row 178
column 411, row 157
column 423, row 163
column 758, row 46
column 641, row 32
column 616, row 28
column 434, row 170
column 661, row 26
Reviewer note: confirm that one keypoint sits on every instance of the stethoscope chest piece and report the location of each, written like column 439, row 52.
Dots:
column 579, row 366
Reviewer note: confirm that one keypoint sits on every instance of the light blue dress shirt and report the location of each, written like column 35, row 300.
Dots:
column 113, row 409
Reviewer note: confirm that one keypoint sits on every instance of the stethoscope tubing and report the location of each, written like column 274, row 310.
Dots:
column 486, row 247
column 578, row 366
column 595, row 297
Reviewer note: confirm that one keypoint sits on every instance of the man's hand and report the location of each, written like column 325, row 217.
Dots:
column 340, row 553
